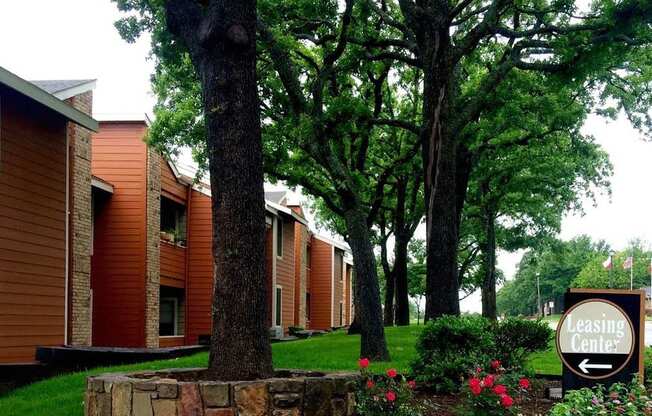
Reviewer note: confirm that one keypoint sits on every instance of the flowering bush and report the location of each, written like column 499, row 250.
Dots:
column 388, row 394
column 449, row 346
column 494, row 392
column 621, row 399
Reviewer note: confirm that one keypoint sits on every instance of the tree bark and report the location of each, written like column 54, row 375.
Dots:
column 401, row 278
column 488, row 247
column 369, row 311
column 390, row 284
column 221, row 38
column 439, row 165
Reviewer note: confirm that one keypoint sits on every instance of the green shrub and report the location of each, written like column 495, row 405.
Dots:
column 648, row 367
column 620, row 399
column 450, row 347
column 517, row 338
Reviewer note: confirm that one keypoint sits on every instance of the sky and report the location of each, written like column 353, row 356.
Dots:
column 76, row 39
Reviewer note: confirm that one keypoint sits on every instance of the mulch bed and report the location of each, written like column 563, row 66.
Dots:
column 446, row 405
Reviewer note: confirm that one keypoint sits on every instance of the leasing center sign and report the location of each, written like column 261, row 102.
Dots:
column 597, row 338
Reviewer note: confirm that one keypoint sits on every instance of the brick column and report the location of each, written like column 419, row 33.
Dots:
column 153, row 276
column 80, row 314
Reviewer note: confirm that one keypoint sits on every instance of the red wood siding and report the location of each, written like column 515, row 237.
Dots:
column 173, row 265
column 170, row 187
column 269, row 269
column 118, row 262
column 299, row 268
column 320, row 284
column 285, row 274
column 199, row 290
column 166, row 342
column 32, row 228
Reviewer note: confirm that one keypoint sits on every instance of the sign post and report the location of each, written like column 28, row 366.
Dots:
column 600, row 337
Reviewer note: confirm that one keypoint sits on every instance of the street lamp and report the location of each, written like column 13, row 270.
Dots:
column 539, row 296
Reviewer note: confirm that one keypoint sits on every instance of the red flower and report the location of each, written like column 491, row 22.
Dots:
column 390, row 396
column 500, row 389
column 488, row 381
column 475, row 385
column 524, row 383
column 412, row 384
column 391, row 373
column 363, row 362
column 495, row 364
column 474, row 382
column 478, row 370
column 370, row 384
column 506, row 401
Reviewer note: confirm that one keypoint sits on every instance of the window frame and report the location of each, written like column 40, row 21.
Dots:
column 279, row 237
column 278, row 312
column 175, row 316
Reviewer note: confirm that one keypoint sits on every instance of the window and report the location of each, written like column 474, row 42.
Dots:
column 168, row 317
column 173, row 222
column 308, row 257
column 341, row 314
column 307, row 306
column 341, row 260
column 279, row 237
column 171, row 311
column 279, row 300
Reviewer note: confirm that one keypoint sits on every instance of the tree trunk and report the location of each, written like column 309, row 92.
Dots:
column 488, row 248
column 442, row 283
column 369, row 311
column 221, row 39
column 440, row 160
column 401, row 278
column 390, row 284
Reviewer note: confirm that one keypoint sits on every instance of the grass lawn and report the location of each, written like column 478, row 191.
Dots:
column 546, row 362
column 63, row 395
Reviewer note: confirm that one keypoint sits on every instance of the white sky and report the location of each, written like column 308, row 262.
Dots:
column 72, row 39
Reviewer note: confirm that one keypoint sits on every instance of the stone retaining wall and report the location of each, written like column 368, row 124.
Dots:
column 184, row 393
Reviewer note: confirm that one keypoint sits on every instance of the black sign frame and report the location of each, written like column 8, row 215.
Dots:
column 632, row 303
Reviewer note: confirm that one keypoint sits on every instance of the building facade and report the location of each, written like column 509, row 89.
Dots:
column 44, row 229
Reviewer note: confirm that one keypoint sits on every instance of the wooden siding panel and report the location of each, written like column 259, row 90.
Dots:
column 173, row 265
column 199, row 290
column 118, row 262
column 285, row 274
column 32, row 228
column 320, row 284
column 170, row 187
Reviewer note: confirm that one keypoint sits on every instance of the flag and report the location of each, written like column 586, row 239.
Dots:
column 607, row 264
column 629, row 261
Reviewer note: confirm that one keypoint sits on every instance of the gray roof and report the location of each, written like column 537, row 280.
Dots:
column 53, row 86
column 276, row 196
column 46, row 99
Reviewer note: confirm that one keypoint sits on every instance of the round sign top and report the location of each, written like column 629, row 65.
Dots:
column 595, row 339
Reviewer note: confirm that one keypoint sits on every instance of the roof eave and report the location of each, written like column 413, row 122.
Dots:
column 48, row 100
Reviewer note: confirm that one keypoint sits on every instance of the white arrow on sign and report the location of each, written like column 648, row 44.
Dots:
column 585, row 366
